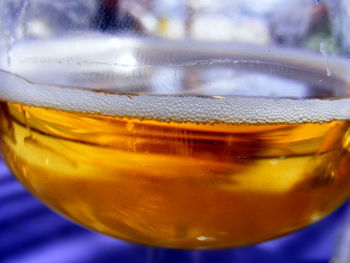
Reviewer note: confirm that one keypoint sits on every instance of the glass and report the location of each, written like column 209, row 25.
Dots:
column 181, row 124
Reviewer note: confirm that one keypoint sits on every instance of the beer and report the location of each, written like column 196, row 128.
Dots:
column 178, row 171
column 178, row 184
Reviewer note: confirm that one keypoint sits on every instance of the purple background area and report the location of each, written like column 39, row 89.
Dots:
column 29, row 232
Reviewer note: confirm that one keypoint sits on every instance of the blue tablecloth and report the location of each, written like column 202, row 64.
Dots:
column 31, row 233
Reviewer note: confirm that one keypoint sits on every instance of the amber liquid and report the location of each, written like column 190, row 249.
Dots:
column 178, row 185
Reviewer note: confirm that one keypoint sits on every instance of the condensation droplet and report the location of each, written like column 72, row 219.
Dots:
column 130, row 126
column 324, row 52
column 316, row 217
column 204, row 238
column 274, row 161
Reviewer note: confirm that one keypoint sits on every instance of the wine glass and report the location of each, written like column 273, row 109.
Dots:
column 179, row 124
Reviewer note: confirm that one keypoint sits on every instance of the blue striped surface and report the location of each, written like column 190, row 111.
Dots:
column 31, row 233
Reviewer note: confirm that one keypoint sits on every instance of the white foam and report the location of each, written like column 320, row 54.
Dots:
column 170, row 108
column 175, row 108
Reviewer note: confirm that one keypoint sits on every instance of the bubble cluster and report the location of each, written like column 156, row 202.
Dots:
column 175, row 108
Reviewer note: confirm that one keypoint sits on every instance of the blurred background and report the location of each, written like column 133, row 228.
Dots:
column 306, row 23
column 29, row 232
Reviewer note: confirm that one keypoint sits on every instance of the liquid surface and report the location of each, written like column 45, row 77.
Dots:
column 183, row 81
column 178, row 185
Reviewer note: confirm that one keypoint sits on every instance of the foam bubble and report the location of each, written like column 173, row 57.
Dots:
column 175, row 108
